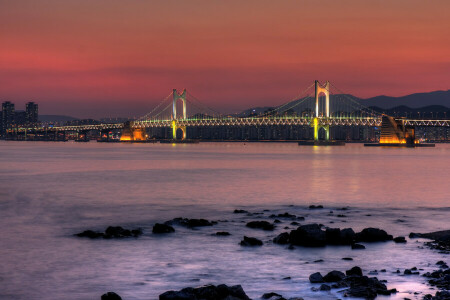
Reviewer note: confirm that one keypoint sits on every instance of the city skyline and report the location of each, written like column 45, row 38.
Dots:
column 77, row 58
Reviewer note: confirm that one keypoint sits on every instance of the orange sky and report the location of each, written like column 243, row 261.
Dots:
column 120, row 58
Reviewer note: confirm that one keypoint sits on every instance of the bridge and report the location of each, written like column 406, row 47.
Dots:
column 311, row 108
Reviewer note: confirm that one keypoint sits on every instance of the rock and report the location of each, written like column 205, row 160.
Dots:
column 287, row 215
column 411, row 271
column 111, row 232
column 250, row 241
column 347, row 236
column 400, row 239
column 90, row 234
column 282, row 238
column 334, row 276
column 162, row 228
column 347, row 258
column 223, row 233
column 207, row 292
column 358, row 247
column 318, row 261
column 324, row 287
column 308, row 235
column 341, row 216
column 190, row 223
column 261, row 225
column 277, row 221
column 354, row 271
column 316, row 278
column 240, row 211
column 373, row 235
column 272, row 296
column 111, row 296
column 295, row 223
column 315, row 206
column 333, row 236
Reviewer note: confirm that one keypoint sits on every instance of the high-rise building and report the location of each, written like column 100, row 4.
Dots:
column 7, row 115
column 31, row 113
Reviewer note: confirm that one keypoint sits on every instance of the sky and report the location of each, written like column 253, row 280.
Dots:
column 103, row 58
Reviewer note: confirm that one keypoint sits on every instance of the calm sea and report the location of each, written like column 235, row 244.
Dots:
column 49, row 191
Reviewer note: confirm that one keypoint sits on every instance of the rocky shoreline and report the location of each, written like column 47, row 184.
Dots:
column 351, row 283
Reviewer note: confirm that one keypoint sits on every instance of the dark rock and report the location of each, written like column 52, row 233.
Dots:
column 334, row 276
column 287, row 215
column 373, row 235
column 295, row 223
column 250, row 241
column 354, row 271
column 111, row 296
column 341, row 216
column 333, row 236
column 277, row 221
column 90, row 234
column 260, row 225
column 272, row 296
column 223, row 233
column 400, row 239
column 324, row 287
column 319, row 261
column 358, row 247
column 347, row 258
column 282, row 238
column 207, row 292
column 111, row 232
column 240, row 211
column 162, row 228
column 347, row 236
column 316, row 278
column 308, row 235
column 315, row 206
column 190, row 223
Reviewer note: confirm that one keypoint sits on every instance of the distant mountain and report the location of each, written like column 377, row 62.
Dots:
column 55, row 118
column 414, row 100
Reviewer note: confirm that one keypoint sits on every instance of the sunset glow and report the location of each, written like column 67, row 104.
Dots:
column 115, row 58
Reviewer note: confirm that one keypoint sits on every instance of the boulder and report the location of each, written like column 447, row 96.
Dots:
column 315, row 206
column 89, row 234
column 207, row 292
column 373, row 235
column 223, row 233
column 111, row 232
column 334, row 276
column 354, row 271
column 190, row 223
column 162, row 228
column 240, row 211
column 250, row 241
column 272, row 296
column 282, row 238
column 324, row 287
column 110, row 296
column 400, row 239
column 316, row 278
column 308, row 235
column 347, row 236
column 358, row 247
column 261, row 225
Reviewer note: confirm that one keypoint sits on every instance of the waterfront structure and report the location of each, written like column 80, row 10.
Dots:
column 311, row 117
column 32, row 115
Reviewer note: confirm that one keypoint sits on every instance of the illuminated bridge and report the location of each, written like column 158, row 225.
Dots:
column 311, row 108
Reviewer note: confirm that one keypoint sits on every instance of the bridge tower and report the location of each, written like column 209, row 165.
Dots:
column 319, row 89
column 175, row 125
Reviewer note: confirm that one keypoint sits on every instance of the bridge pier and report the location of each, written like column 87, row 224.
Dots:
column 175, row 128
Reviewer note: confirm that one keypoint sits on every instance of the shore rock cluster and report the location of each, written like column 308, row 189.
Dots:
column 357, row 284
column 190, row 223
column 207, row 292
column 441, row 240
column 313, row 235
column 111, row 232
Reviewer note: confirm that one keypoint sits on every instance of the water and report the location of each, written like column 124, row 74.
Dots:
column 49, row 191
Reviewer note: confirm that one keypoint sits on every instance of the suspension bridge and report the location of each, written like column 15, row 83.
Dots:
column 319, row 107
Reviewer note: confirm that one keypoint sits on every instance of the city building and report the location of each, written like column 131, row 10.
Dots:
column 7, row 115
column 31, row 110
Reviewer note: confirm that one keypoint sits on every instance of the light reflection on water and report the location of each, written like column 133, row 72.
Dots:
column 48, row 191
